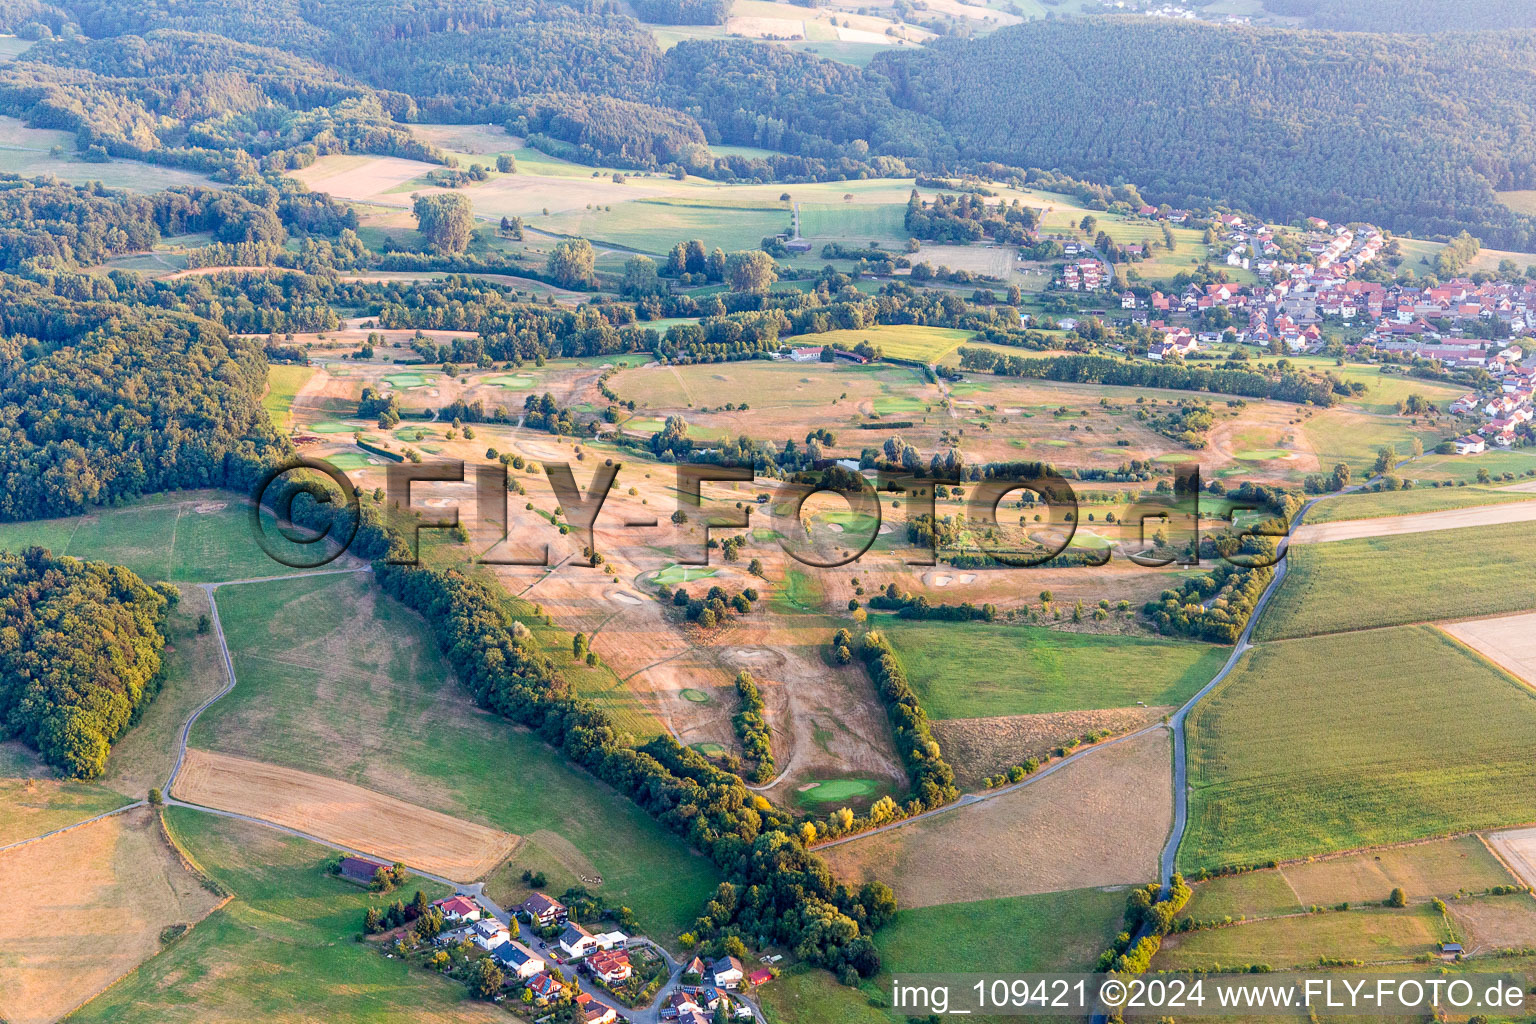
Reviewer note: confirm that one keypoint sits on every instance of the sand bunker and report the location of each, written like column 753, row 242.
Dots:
column 623, row 597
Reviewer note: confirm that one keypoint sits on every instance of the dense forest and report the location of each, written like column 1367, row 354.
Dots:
column 1278, row 122
column 1408, row 15
column 80, row 647
column 101, row 402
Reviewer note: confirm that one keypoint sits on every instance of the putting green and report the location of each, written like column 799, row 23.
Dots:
column 697, row 696
column 1261, row 454
column 510, row 382
column 826, row 791
column 1174, row 457
column 1089, row 539
column 709, row 749
column 408, row 380
column 352, row 460
column 329, row 427
column 675, row 574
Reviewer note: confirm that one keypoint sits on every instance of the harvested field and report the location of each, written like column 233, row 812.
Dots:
column 1509, row 642
column 1424, row 522
column 282, row 949
column 95, row 900
column 1439, row 868
column 1099, row 821
column 342, row 813
column 1518, row 848
column 979, row 747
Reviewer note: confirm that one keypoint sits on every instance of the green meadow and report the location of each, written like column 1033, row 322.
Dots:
column 975, row 669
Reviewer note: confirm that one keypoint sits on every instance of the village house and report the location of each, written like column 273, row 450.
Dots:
column 726, row 972
column 611, row 967
column 576, row 941
column 487, row 934
column 1470, row 445
column 545, row 986
column 517, row 960
column 458, row 909
column 543, row 910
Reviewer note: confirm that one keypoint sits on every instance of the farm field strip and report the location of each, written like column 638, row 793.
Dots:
column 1388, row 581
column 1375, row 504
column 1422, row 522
column 1432, row 740
column 342, row 813
column 1096, row 821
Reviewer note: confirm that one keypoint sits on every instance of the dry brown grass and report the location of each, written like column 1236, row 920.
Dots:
column 1423, row 522
column 1098, row 821
column 1440, row 867
column 84, row 908
column 1509, row 642
column 979, row 747
column 345, row 814
column 1497, row 922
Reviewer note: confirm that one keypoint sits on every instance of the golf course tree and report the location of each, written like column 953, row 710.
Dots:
column 752, row 272
column 445, row 220
column 80, row 647
column 571, row 262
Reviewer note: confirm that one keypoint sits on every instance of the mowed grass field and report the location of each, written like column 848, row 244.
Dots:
column 1440, row 867
column 187, row 536
column 1058, row 931
column 1387, row 581
column 283, row 945
column 1377, row 504
column 1371, row 934
column 284, row 382
column 336, row 679
column 90, row 905
column 975, row 670
column 655, row 225
column 903, row 341
column 1358, row 739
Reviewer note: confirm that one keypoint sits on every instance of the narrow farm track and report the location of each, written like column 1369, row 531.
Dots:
column 646, row 1015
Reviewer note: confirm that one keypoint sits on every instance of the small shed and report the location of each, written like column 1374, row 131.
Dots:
column 360, row 869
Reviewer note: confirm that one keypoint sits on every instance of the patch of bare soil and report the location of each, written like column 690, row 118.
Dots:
column 979, row 747
column 1101, row 820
